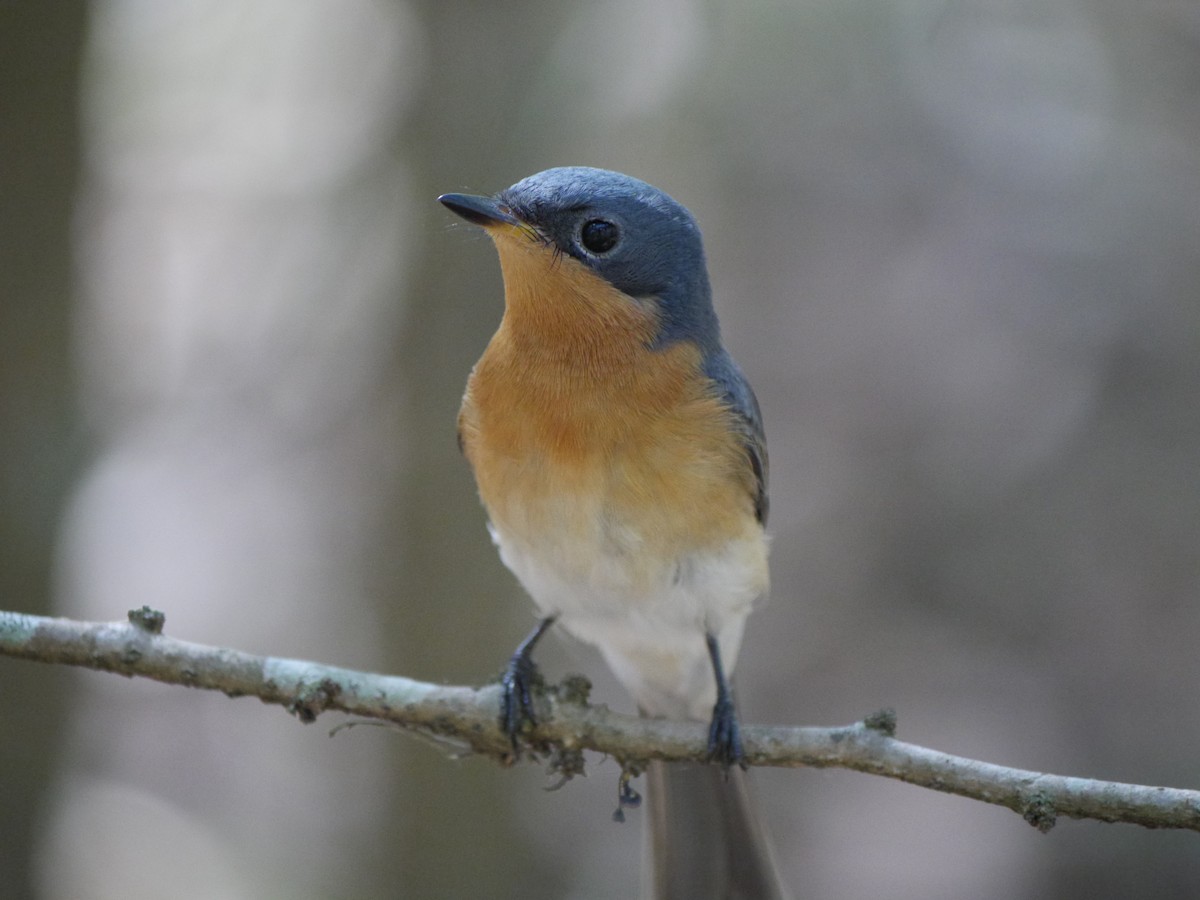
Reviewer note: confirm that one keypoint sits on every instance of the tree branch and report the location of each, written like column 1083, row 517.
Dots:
column 567, row 725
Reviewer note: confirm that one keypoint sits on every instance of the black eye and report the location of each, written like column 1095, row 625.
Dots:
column 598, row 236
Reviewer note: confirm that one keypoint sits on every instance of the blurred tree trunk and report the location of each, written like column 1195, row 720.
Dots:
column 40, row 51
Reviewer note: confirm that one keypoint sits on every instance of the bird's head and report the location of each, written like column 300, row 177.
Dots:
column 603, row 225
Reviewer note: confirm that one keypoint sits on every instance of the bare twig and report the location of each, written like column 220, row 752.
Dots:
column 567, row 724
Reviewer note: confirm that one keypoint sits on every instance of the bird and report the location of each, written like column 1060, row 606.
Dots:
column 620, row 456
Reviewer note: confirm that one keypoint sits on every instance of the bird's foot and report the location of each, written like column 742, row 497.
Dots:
column 725, row 736
column 517, row 684
column 516, row 697
column 724, row 733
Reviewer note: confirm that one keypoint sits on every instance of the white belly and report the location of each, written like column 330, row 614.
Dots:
column 648, row 617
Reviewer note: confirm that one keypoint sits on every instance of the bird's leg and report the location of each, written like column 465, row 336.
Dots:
column 724, row 735
column 516, row 701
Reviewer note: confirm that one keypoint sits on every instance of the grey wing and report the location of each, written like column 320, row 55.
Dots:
column 737, row 393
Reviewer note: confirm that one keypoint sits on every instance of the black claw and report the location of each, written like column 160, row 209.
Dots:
column 516, row 699
column 516, row 695
column 724, row 734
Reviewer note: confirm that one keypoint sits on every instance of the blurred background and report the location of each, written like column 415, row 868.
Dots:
column 955, row 245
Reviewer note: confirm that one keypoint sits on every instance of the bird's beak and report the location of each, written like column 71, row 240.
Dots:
column 482, row 211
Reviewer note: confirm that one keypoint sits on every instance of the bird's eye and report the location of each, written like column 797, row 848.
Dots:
column 598, row 235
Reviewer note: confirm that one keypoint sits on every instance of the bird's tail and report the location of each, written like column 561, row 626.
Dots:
column 704, row 836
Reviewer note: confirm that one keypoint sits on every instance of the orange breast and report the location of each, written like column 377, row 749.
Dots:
column 584, row 439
